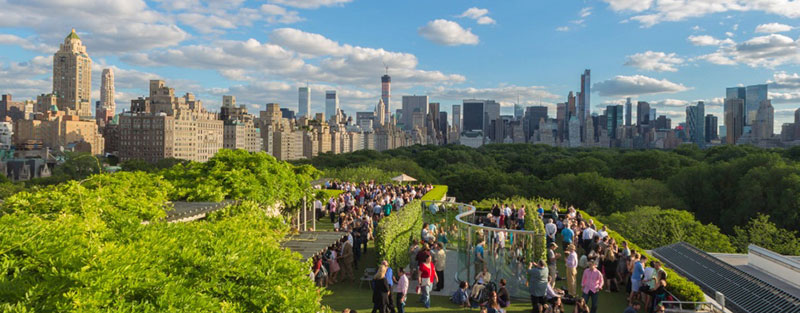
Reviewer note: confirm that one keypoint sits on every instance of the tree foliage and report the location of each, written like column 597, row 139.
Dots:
column 653, row 227
column 762, row 232
column 84, row 247
column 238, row 174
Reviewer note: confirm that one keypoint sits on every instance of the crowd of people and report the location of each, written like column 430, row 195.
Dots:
column 606, row 265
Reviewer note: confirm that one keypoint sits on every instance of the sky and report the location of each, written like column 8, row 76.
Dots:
column 670, row 53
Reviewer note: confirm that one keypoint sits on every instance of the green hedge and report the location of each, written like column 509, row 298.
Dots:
column 437, row 193
column 394, row 234
column 326, row 194
column 678, row 285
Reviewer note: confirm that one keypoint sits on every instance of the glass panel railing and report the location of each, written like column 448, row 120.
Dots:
column 506, row 252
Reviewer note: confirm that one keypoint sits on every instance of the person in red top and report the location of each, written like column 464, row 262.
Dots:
column 426, row 278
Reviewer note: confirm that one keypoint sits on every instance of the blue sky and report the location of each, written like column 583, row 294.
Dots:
column 668, row 52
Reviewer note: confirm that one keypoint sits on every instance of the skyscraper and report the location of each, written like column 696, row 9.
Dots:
column 628, row 112
column 304, row 102
column 519, row 111
column 586, row 92
column 734, row 119
column 755, row 94
column 763, row 126
column 457, row 117
column 386, row 95
column 473, row 115
column 413, row 104
column 614, row 120
column 695, row 124
column 642, row 113
column 105, row 108
column 711, row 128
column 331, row 104
column 72, row 76
column 533, row 115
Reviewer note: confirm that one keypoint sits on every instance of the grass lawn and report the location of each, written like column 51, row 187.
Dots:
column 349, row 295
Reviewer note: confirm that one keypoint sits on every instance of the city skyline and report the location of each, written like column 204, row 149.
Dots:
column 263, row 52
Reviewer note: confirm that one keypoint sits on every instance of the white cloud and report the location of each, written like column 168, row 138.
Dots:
column 310, row 4
column 448, row 33
column 783, row 80
column 676, row 103
column 654, row 12
column 635, row 85
column 479, row 15
column 629, row 5
column 585, row 12
column 655, row 61
column 562, row 28
column 107, row 26
column 773, row 28
column 706, row 40
column 505, row 94
column 26, row 43
column 764, row 51
column 729, row 34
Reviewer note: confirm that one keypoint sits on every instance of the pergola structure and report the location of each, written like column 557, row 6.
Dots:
column 309, row 244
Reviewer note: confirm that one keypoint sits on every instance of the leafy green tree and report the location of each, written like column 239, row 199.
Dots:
column 599, row 195
column 762, row 232
column 652, row 227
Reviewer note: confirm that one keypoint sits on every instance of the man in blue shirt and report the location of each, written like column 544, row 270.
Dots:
column 636, row 277
column 567, row 234
column 540, row 210
column 479, row 261
column 634, row 307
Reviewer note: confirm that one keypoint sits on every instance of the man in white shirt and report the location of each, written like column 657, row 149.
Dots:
column 550, row 229
column 603, row 233
column 588, row 235
column 318, row 208
column 400, row 289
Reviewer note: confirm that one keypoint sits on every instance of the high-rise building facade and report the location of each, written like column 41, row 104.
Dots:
column 386, row 96
column 628, row 112
column 695, row 123
column 519, row 111
column 754, row 96
column 473, row 115
column 613, row 120
column 642, row 113
column 106, row 107
column 533, row 116
column 412, row 104
column 763, row 126
column 712, row 126
column 304, row 102
column 72, row 76
column 331, row 104
column 457, row 117
column 584, row 103
column 734, row 119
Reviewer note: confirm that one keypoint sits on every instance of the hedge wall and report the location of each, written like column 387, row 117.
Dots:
column 539, row 250
column 394, row 234
column 678, row 285
column 437, row 193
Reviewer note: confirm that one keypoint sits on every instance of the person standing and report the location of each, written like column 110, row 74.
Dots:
column 567, row 234
column 401, row 289
column 318, row 209
column 537, row 275
column 439, row 261
column 479, row 261
column 426, row 278
column 550, row 230
column 592, row 283
column 572, row 269
column 346, row 257
column 380, row 291
column 552, row 257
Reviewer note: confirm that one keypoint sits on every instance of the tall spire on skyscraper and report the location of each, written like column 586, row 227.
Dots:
column 386, row 94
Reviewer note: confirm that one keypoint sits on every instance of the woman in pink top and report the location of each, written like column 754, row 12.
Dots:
column 592, row 283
